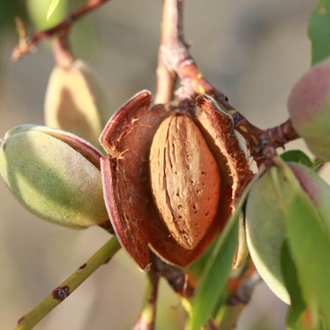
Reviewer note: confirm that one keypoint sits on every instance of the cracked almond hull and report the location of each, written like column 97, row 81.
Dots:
column 127, row 138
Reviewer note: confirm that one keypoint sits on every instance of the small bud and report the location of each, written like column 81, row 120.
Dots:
column 75, row 101
column 54, row 174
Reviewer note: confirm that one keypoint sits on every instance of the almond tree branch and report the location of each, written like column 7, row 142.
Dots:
column 62, row 53
column 170, row 26
column 102, row 256
column 240, row 292
column 165, row 84
column 176, row 57
column 59, row 29
column 173, row 275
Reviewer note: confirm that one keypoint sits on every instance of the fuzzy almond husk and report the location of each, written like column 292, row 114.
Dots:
column 309, row 109
column 51, row 178
column 75, row 101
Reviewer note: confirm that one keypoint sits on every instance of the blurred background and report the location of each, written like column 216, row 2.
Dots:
column 252, row 50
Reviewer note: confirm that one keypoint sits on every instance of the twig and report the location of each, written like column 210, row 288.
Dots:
column 169, row 34
column 176, row 57
column 101, row 257
column 173, row 275
column 186, row 304
column 240, row 292
column 62, row 53
column 32, row 41
column 146, row 320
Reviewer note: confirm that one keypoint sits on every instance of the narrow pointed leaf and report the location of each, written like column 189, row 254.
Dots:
column 292, row 284
column 218, row 267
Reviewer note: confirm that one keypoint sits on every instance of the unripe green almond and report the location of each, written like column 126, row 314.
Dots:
column 50, row 178
column 37, row 10
column 309, row 108
column 265, row 223
column 75, row 101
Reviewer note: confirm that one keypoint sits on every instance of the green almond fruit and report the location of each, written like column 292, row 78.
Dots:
column 265, row 222
column 54, row 174
column 38, row 9
column 309, row 108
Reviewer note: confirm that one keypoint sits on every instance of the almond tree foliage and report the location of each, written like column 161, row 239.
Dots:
column 166, row 177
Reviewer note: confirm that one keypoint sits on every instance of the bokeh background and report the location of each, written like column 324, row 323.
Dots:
column 252, row 50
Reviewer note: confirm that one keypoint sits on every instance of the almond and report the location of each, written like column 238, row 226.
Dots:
column 76, row 101
column 134, row 203
column 185, row 179
column 55, row 175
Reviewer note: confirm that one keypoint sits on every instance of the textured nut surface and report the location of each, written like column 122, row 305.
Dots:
column 185, row 179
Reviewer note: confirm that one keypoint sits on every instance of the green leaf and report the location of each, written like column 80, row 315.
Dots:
column 215, row 279
column 291, row 281
column 52, row 7
column 297, row 156
column 319, row 31
column 196, row 269
column 218, row 266
column 310, row 246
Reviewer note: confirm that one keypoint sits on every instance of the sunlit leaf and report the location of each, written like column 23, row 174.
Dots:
column 196, row 269
column 215, row 279
column 217, row 268
column 319, row 31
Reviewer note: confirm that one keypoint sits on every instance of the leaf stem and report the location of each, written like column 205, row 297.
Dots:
column 102, row 256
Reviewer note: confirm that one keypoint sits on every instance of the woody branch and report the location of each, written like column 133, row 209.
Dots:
column 177, row 59
column 31, row 43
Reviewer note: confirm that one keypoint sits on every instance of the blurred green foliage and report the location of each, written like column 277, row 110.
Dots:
column 83, row 37
column 297, row 156
column 319, row 31
column 10, row 9
column 38, row 10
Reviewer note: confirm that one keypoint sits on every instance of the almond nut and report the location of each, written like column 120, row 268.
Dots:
column 185, row 179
